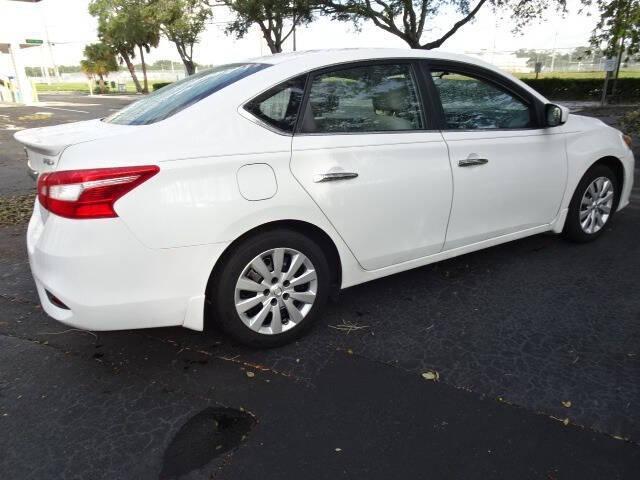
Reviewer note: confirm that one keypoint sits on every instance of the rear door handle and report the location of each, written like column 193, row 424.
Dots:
column 334, row 176
column 470, row 162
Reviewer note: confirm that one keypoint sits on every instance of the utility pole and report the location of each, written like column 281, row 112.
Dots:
column 293, row 28
column 553, row 52
column 56, row 72
column 44, row 68
column 294, row 37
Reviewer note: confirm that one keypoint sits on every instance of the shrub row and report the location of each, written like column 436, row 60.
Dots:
column 562, row 88
column 628, row 89
column 159, row 85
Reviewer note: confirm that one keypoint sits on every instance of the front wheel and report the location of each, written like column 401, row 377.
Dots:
column 592, row 205
column 271, row 288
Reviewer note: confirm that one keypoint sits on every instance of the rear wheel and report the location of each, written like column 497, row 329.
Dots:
column 592, row 205
column 271, row 288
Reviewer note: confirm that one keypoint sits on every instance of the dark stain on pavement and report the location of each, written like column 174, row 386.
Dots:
column 203, row 437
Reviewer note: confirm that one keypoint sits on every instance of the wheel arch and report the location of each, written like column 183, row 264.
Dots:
column 313, row 231
column 616, row 165
column 610, row 161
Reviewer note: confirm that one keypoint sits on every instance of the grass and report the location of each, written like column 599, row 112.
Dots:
column 76, row 87
column 599, row 74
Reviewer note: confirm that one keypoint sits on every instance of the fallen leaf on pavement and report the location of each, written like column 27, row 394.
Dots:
column 431, row 375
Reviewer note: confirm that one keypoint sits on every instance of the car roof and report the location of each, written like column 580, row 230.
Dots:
column 337, row 55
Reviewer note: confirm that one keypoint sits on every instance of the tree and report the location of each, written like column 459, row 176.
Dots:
column 617, row 32
column 276, row 19
column 99, row 61
column 182, row 22
column 114, row 29
column 561, row 60
column 125, row 26
column 409, row 19
column 163, row 65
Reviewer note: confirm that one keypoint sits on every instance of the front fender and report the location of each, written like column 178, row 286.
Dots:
column 588, row 141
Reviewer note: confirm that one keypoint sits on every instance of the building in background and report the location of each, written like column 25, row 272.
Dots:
column 14, row 84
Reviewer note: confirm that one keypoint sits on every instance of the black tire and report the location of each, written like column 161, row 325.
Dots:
column 222, row 294
column 572, row 228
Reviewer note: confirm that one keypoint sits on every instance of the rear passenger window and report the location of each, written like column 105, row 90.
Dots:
column 374, row 98
column 279, row 106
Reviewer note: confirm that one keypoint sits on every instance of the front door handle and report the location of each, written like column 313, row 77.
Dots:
column 470, row 162
column 334, row 176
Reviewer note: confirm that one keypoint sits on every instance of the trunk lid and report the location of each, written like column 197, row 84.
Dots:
column 44, row 146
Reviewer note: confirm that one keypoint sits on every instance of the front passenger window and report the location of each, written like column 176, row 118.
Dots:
column 373, row 98
column 470, row 103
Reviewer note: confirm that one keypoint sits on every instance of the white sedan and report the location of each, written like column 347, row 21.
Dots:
column 248, row 193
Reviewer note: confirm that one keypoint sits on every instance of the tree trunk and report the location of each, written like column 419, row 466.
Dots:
column 271, row 43
column 622, row 47
column 144, row 70
column 188, row 62
column 101, row 83
column 189, row 66
column 132, row 71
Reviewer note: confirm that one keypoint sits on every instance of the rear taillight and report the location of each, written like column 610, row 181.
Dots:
column 90, row 193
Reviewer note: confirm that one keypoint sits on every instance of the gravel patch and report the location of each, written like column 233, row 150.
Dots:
column 16, row 209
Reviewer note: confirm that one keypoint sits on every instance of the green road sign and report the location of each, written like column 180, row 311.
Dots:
column 33, row 41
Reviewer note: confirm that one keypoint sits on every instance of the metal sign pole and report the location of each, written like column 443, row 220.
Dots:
column 609, row 67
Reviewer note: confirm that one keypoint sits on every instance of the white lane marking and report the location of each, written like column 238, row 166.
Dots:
column 65, row 109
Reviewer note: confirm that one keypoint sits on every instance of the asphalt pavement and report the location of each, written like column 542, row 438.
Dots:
column 534, row 346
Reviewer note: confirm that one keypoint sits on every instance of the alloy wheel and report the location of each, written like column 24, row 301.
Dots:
column 596, row 205
column 276, row 291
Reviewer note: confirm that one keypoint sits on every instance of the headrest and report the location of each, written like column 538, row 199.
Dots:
column 391, row 96
column 324, row 98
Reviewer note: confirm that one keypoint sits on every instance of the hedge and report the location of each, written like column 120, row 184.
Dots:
column 159, row 85
column 563, row 88
column 583, row 88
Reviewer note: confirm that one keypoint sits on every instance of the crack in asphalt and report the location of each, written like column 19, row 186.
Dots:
column 116, row 368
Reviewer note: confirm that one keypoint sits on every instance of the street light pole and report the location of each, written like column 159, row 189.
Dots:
column 56, row 72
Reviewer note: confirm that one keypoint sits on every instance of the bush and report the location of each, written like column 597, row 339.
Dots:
column 159, row 85
column 583, row 88
column 630, row 122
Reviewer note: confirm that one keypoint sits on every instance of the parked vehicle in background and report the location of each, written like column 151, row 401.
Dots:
column 246, row 194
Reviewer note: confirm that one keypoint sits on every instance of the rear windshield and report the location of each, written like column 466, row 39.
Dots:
column 177, row 96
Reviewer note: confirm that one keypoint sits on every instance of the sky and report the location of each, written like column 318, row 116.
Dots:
column 69, row 26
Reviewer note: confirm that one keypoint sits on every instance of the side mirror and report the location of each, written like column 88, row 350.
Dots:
column 556, row 115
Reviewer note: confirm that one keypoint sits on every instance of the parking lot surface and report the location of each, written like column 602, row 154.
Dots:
column 535, row 344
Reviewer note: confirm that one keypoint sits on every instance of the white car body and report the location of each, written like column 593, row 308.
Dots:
column 223, row 174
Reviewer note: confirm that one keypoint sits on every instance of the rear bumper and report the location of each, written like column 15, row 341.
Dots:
column 111, row 281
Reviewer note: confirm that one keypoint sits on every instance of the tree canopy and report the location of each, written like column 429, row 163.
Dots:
column 618, row 29
column 276, row 19
column 182, row 22
column 125, row 25
column 99, row 61
column 560, row 59
column 411, row 19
